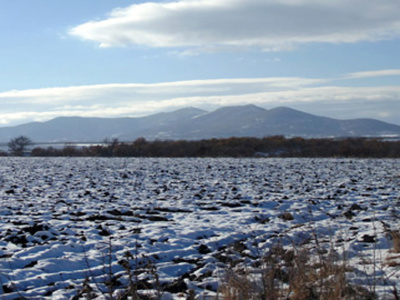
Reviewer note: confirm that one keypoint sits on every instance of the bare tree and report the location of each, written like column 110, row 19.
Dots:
column 18, row 145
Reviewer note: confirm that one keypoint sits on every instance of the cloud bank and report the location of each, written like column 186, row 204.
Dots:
column 316, row 96
column 268, row 25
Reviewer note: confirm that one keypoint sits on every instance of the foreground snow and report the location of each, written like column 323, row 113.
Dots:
column 67, row 220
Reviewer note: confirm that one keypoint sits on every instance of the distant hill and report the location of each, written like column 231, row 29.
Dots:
column 193, row 124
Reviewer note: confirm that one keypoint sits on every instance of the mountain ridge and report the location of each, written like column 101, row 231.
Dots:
column 191, row 123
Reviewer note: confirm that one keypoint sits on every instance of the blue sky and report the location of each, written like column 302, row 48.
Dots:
column 133, row 58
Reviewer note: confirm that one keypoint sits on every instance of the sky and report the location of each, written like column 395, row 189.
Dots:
column 123, row 58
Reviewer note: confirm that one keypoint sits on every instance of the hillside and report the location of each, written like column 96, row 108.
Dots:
column 194, row 124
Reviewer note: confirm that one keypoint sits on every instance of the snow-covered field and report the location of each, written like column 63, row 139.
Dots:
column 65, row 222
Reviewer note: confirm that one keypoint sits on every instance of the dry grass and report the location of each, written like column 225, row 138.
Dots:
column 237, row 286
column 393, row 260
column 293, row 274
column 396, row 241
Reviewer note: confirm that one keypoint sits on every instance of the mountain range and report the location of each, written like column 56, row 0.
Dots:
column 194, row 124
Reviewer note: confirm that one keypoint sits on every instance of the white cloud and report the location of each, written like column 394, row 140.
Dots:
column 121, row 100
column 379, row 73
column 270, row 25
column 153, row 91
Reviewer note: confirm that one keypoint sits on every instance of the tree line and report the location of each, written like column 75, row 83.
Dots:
column 273, row 146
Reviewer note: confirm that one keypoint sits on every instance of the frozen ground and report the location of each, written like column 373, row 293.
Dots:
column 67, row 223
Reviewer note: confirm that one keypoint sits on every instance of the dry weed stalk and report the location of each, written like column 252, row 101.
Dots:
column 122, row 285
